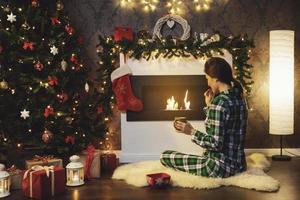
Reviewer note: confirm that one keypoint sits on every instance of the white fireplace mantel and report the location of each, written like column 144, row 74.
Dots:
column 145, row 140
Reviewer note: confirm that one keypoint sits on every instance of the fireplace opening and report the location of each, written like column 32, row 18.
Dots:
column 183, row 93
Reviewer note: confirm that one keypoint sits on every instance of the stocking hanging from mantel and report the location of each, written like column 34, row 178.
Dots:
column 123, row 92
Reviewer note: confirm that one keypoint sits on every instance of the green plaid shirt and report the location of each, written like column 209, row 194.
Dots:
column 226, row 121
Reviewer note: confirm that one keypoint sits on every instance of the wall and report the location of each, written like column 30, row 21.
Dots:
column 252, row 17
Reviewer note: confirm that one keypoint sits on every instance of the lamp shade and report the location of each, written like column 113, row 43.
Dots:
column 281, row 82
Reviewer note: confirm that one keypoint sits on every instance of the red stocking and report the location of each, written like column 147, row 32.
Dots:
column 122, row 88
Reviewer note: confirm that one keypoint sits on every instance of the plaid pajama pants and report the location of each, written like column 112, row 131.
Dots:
column 194, row 164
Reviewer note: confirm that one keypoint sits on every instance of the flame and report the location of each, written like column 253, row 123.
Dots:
column 173, row 105
column 186, row 103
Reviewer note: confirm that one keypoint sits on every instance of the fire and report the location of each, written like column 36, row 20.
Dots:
column 173, row 105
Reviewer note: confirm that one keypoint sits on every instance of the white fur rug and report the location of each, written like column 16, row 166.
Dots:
column 254, row 178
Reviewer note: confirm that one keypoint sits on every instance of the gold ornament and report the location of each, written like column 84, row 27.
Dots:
column 59, row 6
column 3, row 85
column 25, row 26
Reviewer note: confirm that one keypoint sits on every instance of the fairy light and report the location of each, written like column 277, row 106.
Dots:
column 149, row 5
column 175, row 6
column 19, row 145
column 126, row 3
column 201, row 5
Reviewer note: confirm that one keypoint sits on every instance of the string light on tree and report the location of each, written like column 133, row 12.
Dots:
column 126, row 3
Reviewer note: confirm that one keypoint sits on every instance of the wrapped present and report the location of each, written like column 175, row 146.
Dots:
column 91, row 160
column 15, row 177
column 42, row 182
column 123, row 33
column 44, row 161
column 109, row 161
column 158, row 180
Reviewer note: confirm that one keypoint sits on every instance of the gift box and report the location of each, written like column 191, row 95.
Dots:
column 158, row 180
column 43, row 182
column 123, row 33
column 109, row 162
column 91, row 162
column 44, row 161
column 15, row 177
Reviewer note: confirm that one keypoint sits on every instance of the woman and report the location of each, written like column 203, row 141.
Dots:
column 225, row 123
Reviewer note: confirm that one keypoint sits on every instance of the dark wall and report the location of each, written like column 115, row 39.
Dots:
column 253, row 17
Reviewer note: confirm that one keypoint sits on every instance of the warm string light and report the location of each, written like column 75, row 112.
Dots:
column 202, row 4
column 149, row 5
column 175, row 6
column 126, row 3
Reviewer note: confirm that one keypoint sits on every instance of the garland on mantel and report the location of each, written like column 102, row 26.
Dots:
column 200, row 46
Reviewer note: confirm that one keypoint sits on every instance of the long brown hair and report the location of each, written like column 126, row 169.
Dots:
column 219, row 68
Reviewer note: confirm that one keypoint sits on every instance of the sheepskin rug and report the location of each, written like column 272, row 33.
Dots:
column 254, row 178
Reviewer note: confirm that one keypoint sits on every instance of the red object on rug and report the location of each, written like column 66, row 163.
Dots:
column 158, row 180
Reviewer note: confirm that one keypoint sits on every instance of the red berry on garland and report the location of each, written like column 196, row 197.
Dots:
column 74, row 59
column 70, row 140
column 47, row 136
column 39, row 66
column 100, row 109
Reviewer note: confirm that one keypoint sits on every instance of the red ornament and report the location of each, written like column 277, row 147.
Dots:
column 69, row 29
column 48, row 111
column 54, row 20
column 39, row 66
column 52, row 80
column 100, row 109
column 70, row 140
column 47, row 136
column 123, row 33
column 28, row 45
column 63, row 97
column 35, row 3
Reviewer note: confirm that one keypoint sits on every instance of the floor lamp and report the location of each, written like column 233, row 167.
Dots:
column 281, row 84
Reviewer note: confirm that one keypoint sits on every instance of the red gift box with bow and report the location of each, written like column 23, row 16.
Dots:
column 43, row 182
column 158, row 180
column 123, row 33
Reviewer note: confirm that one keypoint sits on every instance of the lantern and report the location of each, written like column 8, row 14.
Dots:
column 75, row 174
column 4, row 182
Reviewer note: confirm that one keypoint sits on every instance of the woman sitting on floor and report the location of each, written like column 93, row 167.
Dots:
column 226, row 122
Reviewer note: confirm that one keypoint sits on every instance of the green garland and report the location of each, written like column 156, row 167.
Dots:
column 143, row 46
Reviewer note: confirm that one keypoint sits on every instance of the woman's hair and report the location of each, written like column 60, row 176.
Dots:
column 218, row 68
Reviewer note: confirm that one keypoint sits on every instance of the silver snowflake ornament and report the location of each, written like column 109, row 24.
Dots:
column 54, row 50
column 11, row 18
column 24, row 114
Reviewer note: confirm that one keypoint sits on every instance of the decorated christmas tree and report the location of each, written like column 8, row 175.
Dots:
column 47, row 98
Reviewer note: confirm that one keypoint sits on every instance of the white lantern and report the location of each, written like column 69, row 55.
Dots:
column 75, row 174
column 4, row 182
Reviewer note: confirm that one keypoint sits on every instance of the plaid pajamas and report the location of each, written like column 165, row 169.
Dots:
column 225, row 123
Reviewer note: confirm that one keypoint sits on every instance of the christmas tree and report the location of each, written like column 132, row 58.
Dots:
column 47, row 98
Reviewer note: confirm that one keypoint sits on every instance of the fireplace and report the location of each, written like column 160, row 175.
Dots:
column 180, row 91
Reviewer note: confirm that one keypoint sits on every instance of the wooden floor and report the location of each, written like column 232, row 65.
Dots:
column 288, row 173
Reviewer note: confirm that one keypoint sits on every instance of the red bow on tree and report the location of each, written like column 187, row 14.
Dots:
column 54, row 20
column 39, row 66
column 70, row 140
column 52, row 80
column 28, row 45
column 69, row 29
column 74, row 59
column 48, row 111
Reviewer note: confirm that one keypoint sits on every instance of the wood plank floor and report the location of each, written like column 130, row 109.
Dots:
column 288, row 173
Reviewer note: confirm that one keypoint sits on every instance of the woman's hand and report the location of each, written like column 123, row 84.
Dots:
column 209, row 95
column 183, row 127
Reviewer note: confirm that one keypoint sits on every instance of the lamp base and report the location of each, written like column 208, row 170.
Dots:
column 281, row 158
